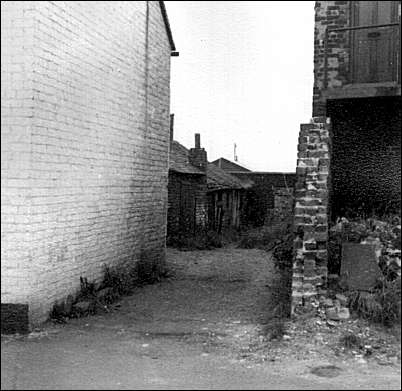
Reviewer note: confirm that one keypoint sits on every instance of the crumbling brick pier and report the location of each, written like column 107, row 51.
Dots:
column 311, row 213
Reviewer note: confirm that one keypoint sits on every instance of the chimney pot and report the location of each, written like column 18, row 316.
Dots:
column 171, row 126
column 197, row 140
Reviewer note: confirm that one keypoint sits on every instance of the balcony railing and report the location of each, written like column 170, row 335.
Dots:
column 366, row 54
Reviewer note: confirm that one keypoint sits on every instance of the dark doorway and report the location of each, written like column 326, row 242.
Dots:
column 187, row 207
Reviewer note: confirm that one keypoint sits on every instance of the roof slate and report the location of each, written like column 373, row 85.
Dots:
column 179, row 160
column 217, row 179
column 227, row 165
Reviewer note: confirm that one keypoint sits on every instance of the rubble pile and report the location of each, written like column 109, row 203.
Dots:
column 317, row 337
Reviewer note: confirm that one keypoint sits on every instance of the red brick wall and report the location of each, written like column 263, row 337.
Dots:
column 330, row 14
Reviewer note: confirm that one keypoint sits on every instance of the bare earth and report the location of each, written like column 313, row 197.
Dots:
column 201, row 329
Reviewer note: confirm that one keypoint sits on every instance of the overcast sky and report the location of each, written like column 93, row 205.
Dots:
column 244, row 76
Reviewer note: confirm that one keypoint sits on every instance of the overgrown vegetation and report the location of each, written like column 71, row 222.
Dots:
column 381, row 305
column 387, row 231
column 283, row 254
column 280, row 298
column 117, row 282
column 265, row 238
column 279, row 240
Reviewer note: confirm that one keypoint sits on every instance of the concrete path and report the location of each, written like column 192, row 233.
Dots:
column 199, row 330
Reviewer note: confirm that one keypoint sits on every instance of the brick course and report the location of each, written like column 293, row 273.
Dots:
column 85, row 134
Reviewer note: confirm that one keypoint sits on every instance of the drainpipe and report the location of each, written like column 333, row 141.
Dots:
column 141, row 244
column 146, row 65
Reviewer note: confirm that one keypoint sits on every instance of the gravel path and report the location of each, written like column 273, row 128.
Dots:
column 200, row 329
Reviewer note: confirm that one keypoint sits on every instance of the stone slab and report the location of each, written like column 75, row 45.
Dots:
column 359, row 268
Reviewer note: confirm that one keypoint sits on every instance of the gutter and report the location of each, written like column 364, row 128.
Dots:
column 173, row 52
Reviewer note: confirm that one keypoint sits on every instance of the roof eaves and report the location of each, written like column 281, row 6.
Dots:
column 168, row 29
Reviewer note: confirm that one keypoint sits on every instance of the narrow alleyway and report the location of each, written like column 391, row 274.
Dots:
column 202, row 328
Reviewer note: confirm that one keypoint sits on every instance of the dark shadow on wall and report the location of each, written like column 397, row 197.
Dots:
column 366, row 156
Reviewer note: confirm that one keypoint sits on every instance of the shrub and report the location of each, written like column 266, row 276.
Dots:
column 381, row 305
column 283, row 253
column 386, row 231
column 87, row 289
column 265, row 237
column 121, row 280
column 279, row 306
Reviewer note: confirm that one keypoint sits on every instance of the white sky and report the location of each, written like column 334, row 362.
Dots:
column 244, row 76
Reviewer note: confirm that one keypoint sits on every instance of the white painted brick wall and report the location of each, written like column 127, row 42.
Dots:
column 84, row 166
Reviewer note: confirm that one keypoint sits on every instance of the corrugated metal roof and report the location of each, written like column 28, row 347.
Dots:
column 179, row 160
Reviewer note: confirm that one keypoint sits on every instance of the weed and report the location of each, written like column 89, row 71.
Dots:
column 87, row 290
column 381, row 305
column 58, row 313
column 275, row 330
column 121, row 280
column 117, row 281
column 279, row 308
column 283, row 253
column 350, row 341
column 203, row 239
column 264, row 237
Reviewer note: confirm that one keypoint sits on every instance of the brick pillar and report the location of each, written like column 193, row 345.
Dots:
column 311, row 213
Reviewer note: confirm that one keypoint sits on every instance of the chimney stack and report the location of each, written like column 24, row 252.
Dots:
column 198, row 156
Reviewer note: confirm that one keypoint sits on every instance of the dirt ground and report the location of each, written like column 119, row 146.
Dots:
column 203, row 328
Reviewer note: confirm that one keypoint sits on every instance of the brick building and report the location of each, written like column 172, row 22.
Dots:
column 187, row 192
column 349, row 157
column 269, row 195
column 357, row 83
column 84, row 144
column 226, row 199
column 201, row 195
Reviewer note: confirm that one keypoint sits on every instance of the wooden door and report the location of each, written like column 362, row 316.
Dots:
column 374, row 50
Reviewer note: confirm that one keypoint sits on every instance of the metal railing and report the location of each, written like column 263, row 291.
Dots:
column 373, row 53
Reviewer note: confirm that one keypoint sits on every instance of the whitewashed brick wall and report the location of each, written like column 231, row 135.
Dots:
column 85, row 135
